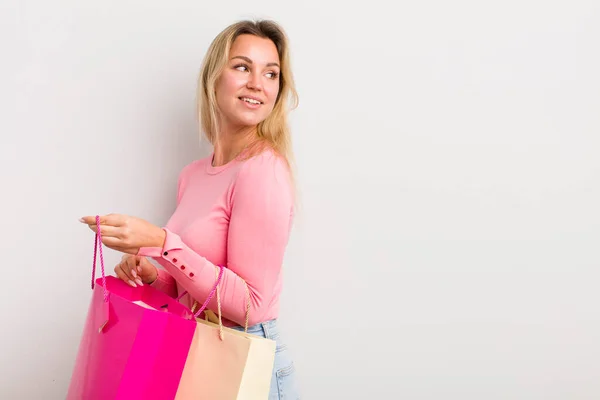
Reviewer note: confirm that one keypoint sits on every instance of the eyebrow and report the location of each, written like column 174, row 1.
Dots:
column 249, row 61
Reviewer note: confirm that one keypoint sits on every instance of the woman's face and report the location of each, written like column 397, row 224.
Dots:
column 248, row 87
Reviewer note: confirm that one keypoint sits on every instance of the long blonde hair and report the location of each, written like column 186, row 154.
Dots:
column 274, row 131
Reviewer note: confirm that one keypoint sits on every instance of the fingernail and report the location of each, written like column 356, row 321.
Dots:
column 139, row 269
column 133, row 273
column 81, row 220
column 132, row 283
column 139, row 282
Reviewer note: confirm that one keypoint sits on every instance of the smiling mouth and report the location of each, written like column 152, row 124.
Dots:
column 250, row 101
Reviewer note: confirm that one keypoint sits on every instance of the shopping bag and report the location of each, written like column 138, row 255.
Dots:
column 134, row 344
column 226, row 364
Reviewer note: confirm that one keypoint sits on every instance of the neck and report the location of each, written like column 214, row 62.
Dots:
column 231, row 143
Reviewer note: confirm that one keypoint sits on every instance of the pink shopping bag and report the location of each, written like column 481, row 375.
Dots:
column 134, row 344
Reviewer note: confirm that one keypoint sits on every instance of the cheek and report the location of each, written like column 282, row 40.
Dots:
column 272, row 90
column 228, row 86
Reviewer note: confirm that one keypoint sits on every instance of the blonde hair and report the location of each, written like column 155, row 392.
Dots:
column 274, row 131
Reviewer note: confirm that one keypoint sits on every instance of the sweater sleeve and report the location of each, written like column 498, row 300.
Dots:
column 165, row 283
column 259, row 226
column 164, row 280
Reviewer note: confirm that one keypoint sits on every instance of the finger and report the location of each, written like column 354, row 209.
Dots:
column 91, row 220
column 110, row 219
column 126, row 271
column 108, row 231
column 130, row 264
column 88, row 220
column 114, row 242
column 120, row 247
column 122, row 274
column 142, row 263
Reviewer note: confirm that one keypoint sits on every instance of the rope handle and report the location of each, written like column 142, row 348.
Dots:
column 98, row 246
column 219, row 309
column 98, row 249
column 219, row 273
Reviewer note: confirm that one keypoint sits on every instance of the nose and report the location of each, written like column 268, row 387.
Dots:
column 254, row 81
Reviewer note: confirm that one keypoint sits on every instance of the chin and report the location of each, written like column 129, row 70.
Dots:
column 249, row 121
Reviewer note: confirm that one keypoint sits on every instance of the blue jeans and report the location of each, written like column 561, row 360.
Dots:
column 283, row 381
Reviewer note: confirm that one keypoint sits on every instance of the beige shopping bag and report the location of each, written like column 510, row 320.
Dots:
column 226, row 364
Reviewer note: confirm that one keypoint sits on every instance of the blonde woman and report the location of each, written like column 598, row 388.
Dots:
column 235, row 207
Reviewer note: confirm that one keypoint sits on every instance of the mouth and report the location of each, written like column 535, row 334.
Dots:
column 251, row 101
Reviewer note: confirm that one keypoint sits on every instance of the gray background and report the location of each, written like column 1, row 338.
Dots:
column 448, row 154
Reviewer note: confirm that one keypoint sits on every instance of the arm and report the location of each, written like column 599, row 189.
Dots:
column 261, row 206
column 164, row 281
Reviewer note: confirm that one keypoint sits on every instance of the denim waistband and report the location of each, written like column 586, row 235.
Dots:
column 264, row 329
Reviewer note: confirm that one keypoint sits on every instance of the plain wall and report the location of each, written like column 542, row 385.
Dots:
column 448, row 162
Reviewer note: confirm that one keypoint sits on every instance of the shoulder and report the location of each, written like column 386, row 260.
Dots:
column 266, row 167
column 263, row 190
column 193, row 167
column 264, row 176
column 188, row 171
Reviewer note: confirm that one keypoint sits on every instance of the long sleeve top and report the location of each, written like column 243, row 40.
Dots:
column 238, row 216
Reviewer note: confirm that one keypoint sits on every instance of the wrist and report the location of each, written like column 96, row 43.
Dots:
column 159, row 238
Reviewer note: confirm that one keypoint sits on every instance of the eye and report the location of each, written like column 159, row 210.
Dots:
column 272, row 75
column 241, row 67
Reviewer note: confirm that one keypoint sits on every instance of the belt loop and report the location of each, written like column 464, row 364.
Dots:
column 265, row 330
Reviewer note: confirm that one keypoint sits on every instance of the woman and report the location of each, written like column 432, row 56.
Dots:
column 235, row 207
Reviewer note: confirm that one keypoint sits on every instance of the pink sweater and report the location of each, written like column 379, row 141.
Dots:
column 238, row 215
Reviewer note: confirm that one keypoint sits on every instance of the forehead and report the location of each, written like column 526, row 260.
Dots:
column 259, row 50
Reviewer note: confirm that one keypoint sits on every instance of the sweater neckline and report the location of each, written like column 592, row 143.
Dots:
column 211, row 169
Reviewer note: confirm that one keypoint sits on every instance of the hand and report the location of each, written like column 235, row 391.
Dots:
column 125, row 233
column 136, row 270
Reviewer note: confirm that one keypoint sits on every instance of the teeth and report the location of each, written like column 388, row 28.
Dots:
column 251, row 101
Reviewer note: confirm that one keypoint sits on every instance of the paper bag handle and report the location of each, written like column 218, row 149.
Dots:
column 219, row 310
column 98, row 248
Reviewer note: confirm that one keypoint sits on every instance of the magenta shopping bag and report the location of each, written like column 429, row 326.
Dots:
column 135, row 342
